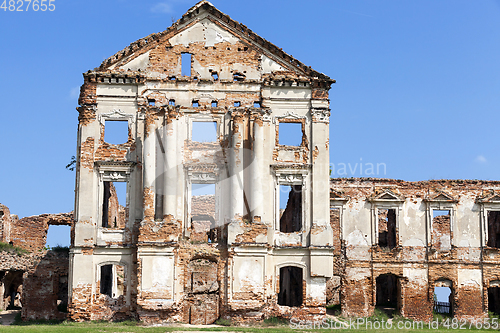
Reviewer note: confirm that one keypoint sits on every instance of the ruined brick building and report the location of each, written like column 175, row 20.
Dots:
column 33, row 278
column 271, row 235
column 170, row 254
column 402, row 240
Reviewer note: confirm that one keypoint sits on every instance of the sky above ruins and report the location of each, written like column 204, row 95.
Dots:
column 417, row 90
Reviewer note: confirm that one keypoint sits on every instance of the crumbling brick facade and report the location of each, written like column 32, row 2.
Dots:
column 232, row 251
column 442, row 240
column 36, row 281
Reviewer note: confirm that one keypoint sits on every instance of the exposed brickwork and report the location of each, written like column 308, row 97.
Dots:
column 45, row 286
column 30, row 233
column 419, row 268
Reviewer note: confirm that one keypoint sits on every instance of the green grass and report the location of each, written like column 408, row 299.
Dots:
column 132, row 327
column 12, row 249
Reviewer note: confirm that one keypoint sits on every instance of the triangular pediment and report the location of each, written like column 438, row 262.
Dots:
column 492, row 198
column 387, row 195
column 214, row 35
column 337, row 196
column 441, row 197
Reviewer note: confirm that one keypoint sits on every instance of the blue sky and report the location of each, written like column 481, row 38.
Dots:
column 418, row 83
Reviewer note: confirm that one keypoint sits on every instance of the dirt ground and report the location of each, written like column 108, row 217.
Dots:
column 7, row 317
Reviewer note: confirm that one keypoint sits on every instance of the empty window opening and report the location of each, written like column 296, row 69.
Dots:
column 112, row 281
column 238, row 76
column 388, row 294
column 494, row 229
column 186, row 64
column 171, row 102
column 290, row 134
column 441, row 229
column 106, row 287
column 290, row 286
column 62, row 294
column 203, row 216
column 151, row 102
column 1, row 213
column 215, row 76
column 114, row 210
column 12, row 285
column 256, row 104
column 204, row 131
column 237, row 104
column 172, row 78
column 291, row 208
column 116, row 131
column 58, row 236
column 443, row 298
column 387, row 228
column 215, row 104
column 494, row 297
column 195, row 104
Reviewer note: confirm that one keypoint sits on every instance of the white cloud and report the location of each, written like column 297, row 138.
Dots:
column 74, row 92
column 481, row 159
column 162, row 7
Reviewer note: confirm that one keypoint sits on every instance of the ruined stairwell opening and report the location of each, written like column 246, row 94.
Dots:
column 494, row 229
column 290, row 286
column 388, row 293
column 387, row 228
column 291, row 214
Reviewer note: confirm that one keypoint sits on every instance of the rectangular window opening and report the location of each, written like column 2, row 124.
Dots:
column 290, row 208
column 237, row 104
column 291, row 286
column 494, row 299
column 58, row 236
column 114, row 209
column 290, row 134
column 151, row 102
column 171, row 102
column 215, row 104
column 215, row 76
column 195, row 104
column 203, row 217
column 387, row 228
column 186, row 64
column 256, row 104
column 494, row 229
column 204, row 131
column 112, row 281
column 441, row 229
column 116, row 131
